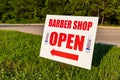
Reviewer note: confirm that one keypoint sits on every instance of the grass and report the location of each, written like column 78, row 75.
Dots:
column 19, row 60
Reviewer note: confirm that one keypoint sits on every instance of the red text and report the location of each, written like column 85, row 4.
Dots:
column 60, row 23
column 82, row 25
column 72, row 41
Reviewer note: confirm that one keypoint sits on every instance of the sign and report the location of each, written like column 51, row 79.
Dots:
column 69, row 39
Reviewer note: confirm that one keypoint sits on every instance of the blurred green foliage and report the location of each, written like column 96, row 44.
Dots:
column 34, row 11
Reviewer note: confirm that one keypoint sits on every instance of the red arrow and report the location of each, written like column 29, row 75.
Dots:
column 64, row 54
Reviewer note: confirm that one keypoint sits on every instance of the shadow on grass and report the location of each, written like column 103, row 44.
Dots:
column 100, row 50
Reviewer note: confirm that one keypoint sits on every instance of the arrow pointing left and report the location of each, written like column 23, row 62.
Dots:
column 64, row 54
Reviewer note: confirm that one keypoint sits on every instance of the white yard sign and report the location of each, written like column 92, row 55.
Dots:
column 69, row 39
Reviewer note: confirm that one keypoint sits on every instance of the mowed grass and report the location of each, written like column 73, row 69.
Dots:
column 19, row 60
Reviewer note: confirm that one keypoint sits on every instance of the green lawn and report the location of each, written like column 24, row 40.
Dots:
column 19, row 60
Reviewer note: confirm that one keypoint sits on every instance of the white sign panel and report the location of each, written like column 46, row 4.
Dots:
column 69, row 39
